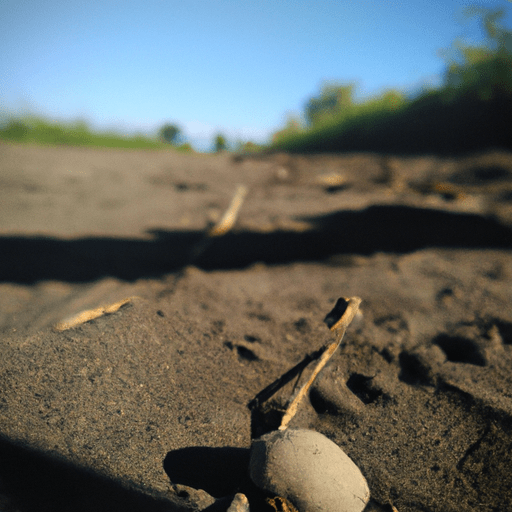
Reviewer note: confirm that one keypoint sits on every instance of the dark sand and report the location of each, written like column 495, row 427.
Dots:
column 146, row 408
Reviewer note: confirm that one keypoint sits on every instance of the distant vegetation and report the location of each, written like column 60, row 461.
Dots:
column 42, row 131
column 220, row 143
column 170, row 134
column 472, row 110
column 249, row 147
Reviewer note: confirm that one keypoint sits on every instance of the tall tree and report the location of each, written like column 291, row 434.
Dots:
column 170, row 133
column 220, row 142
column 334, row 100
column 483, row 71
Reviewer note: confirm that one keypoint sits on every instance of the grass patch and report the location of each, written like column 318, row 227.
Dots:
column 38, row 130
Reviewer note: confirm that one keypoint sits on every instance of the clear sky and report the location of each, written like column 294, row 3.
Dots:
column 236, row 66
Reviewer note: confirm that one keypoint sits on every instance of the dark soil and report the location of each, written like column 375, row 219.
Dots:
column 146, row 408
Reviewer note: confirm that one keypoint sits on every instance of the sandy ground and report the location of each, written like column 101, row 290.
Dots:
column 145, row 408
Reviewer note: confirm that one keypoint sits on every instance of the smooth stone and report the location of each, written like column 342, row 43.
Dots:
column 309, row 470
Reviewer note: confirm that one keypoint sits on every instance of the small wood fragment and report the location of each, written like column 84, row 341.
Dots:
column 271, row 389
column 343, row 313
column 91, row 314
column 337, row 320
column 280, row 504
column 228, row 220
column 221, row 228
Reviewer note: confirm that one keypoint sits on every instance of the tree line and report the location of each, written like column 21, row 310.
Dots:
column 471, row 110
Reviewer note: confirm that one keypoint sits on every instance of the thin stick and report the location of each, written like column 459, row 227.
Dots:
column 350, row 307
column 271, row 389
column 223, row 226
column 229, row 218
column 91, row 314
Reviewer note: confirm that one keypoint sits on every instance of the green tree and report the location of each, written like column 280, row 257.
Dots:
column 292, row 127
column 220, row 143
column 15, row 129
column 333, row 101
column 483, row 71
column 170, row 133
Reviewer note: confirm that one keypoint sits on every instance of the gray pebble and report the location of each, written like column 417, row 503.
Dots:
column 309, row 470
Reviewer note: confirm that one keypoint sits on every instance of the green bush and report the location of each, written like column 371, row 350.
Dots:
column 333, row 102
column 248, row 147
column 14, row 130
column 471, row 111
column 185, row 148
column 41, row 131
column 170, row 133
column 220, row 143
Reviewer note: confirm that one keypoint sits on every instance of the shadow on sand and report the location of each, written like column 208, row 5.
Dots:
column 395, row 229
column 31, row 480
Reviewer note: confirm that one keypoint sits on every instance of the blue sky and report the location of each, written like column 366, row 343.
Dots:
column 234, row 66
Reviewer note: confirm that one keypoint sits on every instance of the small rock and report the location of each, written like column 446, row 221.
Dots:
column 240, row 503
column 309, row 470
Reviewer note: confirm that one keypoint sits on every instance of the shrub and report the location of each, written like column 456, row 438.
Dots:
column 220, row 143
column 170, row 133
column 15, row 130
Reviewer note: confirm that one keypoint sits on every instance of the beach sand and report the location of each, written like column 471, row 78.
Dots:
column 145, row 406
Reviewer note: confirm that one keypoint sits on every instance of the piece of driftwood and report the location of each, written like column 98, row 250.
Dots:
column 91, row 314
column 222, row 227
column 337, row 320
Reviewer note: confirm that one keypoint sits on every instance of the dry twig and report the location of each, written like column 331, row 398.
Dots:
column 91, row 314
column 337, row 320
column 223, row 226
column 346, row 310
